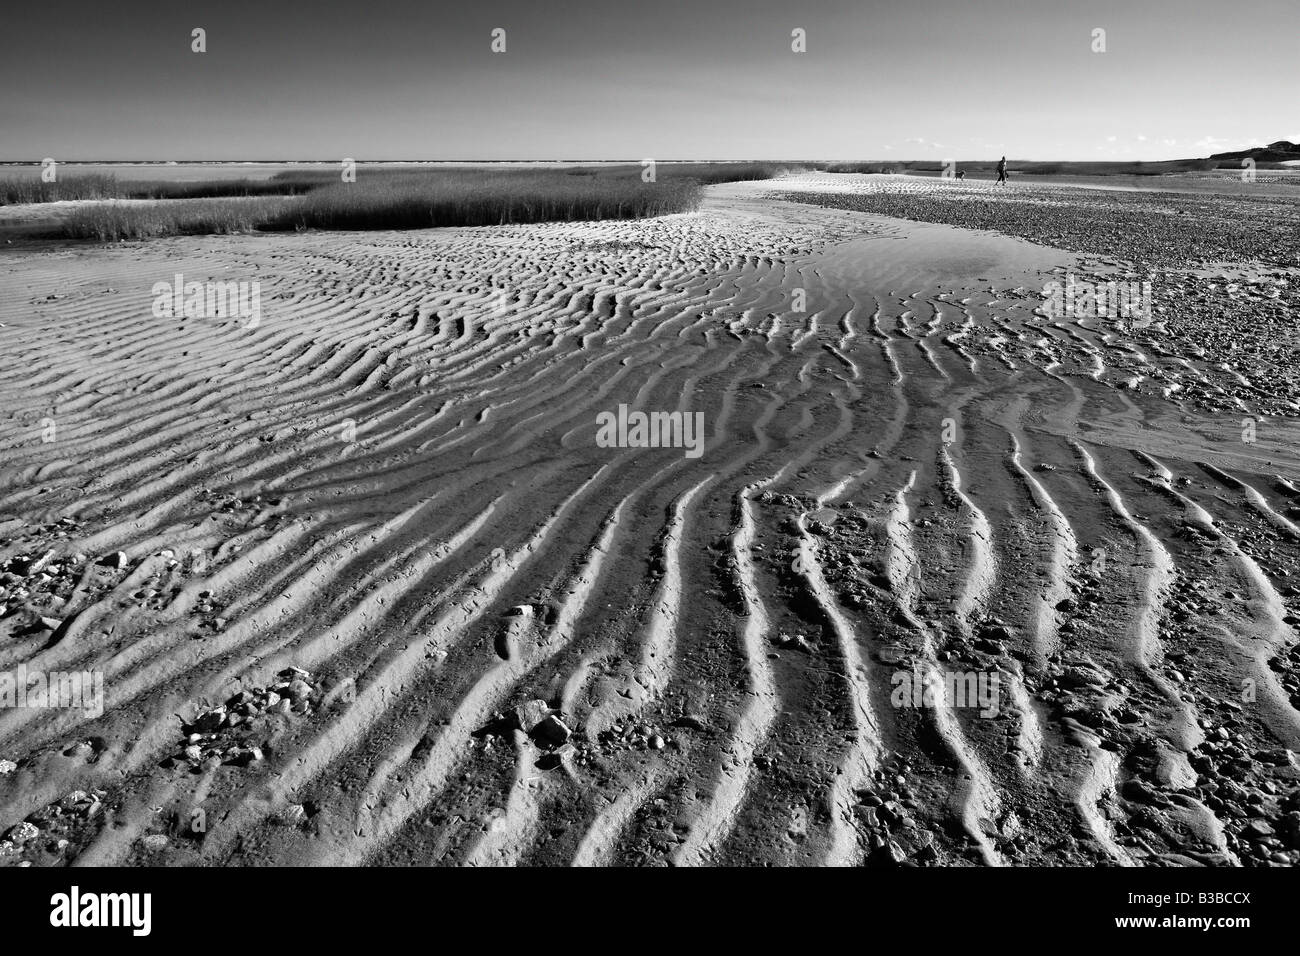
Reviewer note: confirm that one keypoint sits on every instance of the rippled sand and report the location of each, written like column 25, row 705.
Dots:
column 392, row 482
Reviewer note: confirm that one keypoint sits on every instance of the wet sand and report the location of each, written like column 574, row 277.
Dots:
column 392, row 482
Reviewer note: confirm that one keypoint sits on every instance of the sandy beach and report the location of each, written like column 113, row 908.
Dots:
column 364, row 584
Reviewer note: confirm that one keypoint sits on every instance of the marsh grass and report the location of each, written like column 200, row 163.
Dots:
column 217, row 188
column 708, row 174
column 29, row 189
column 109, row 222
column 473, row 198
column 16, row 190
column 389, row 199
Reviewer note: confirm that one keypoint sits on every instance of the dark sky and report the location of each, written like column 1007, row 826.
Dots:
column 713, row 79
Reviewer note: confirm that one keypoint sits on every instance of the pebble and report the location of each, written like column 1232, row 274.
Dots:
column 551, row 732
column 21, row 833
column 531, row 713
column 116, row 559
column 891, row 654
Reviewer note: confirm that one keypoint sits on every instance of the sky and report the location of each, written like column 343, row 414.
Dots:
column 705, row 79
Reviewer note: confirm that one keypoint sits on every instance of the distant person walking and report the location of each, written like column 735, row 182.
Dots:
column 1002, row 170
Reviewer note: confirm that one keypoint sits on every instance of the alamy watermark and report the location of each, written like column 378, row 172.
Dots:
column 41, row 690
column 637, row 429
column 976, row 690
column 208, row 300
column 75, row 908
column 1117, row 299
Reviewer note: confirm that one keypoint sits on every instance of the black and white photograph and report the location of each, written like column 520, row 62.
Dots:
column 741, row 434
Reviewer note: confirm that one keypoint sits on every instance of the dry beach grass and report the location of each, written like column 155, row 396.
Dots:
column 377, row 199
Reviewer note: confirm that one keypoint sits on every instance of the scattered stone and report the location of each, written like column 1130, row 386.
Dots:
column 550, row 732
column 243, row 756
column 21, row 833
column 211, row 721
column 795, row 642
column 531, row 713
column 1081, row 677
column 226, row 734
column 892, row 654
column 1277, row 758
column 39, row 564
column 116, row 560
column 1257, row 830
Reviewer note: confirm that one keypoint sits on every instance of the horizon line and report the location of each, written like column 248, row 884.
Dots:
column 362, row 162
